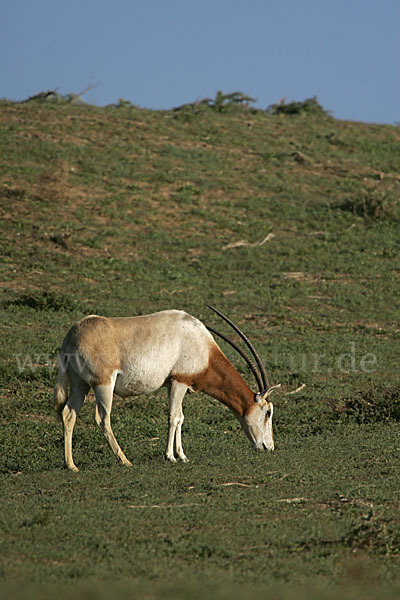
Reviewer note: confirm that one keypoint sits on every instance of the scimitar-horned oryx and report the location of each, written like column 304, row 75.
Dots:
column 138, row 355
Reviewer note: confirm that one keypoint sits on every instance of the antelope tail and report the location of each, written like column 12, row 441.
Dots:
column 60, row 394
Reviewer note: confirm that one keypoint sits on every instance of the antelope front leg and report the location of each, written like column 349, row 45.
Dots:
column 176, row 394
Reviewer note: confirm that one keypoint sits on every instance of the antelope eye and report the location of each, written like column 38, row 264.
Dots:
column 268, row 414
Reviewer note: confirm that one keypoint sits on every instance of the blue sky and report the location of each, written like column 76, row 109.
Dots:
column 164, row 53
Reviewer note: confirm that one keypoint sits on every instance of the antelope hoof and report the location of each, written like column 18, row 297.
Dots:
column 72, row 468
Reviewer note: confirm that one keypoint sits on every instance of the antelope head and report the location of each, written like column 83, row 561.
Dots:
column 257, row 419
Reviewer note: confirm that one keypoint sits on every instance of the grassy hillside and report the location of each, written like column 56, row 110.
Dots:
column 290, row 224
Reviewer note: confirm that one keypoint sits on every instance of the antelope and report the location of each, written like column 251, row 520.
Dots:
column 138, row 355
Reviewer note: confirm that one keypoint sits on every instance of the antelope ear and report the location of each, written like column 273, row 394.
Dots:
column 262, row 397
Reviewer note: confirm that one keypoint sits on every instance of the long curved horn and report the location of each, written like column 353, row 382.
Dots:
column 243, row 355
column 248, row 343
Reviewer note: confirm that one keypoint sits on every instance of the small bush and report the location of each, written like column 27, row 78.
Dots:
column 374, row 205
column 372, row 405
column 54, row 96
column 311, row 106
column 45, row 300
column 375, row 534
column 221, row 103
column 124, row 104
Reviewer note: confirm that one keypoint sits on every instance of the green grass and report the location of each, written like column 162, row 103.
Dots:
column 124, row 211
